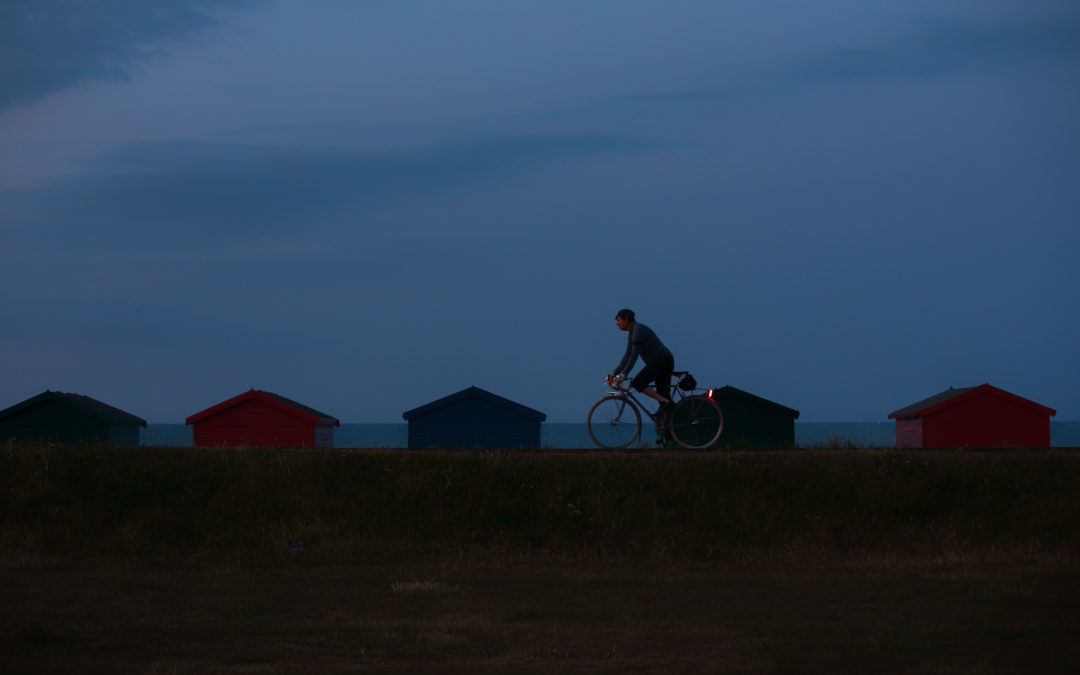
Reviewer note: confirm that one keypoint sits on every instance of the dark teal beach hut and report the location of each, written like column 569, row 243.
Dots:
column 57, row 417
column 474, row 418
column 754, row 422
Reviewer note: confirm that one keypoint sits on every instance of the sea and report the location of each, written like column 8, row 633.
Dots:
column 573, row 435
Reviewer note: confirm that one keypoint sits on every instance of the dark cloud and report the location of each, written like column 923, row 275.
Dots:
column 48, row 45
column 929, row 47
column 167, row 192
column 938, row 46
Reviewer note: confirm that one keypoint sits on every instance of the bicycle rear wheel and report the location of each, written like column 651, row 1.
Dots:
column 614, row 422
column 696, row 422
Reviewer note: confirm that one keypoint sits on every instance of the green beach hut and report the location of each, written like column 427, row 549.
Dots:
column 754, row 422
column 57, row 417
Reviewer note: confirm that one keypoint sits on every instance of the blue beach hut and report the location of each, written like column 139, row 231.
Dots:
column 474, row 418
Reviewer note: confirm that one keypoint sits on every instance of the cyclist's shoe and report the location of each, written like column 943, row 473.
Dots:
column 663, row 432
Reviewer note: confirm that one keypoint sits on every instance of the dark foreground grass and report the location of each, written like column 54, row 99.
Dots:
column 189, row 560
column 181, row 505
column 484, row 616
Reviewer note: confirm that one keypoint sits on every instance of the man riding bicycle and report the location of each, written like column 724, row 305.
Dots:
column 659, row 363
column 614, row 422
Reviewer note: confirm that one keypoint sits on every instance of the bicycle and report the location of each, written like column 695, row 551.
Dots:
column 694, row 421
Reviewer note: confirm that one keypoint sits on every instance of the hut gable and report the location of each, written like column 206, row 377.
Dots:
column 262, row 418
column 982, row 416
column 753, row 421
column 471, row 418
column 60, row 417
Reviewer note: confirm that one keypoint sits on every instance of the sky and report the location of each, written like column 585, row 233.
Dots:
column 843, row 206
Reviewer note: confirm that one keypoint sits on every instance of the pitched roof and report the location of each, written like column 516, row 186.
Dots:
column 85, row 405
column 274, row 400
column 914, row 409
column 477, row 393
column 953, row 396
column 732, row 392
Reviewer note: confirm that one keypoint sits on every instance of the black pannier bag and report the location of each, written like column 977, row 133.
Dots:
column 687, row 382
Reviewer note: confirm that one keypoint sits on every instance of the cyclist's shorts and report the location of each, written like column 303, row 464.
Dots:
column 659, row 371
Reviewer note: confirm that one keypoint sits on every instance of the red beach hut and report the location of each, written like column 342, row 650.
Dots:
column 973, row 417
column 262, row 418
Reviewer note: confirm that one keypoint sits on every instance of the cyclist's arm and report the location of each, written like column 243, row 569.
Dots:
column 630, row 357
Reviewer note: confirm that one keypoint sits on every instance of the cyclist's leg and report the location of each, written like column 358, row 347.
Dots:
column 659, row 371
column 665, row 367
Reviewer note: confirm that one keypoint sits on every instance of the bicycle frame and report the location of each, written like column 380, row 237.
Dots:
column 693, row 421
column 623, row 389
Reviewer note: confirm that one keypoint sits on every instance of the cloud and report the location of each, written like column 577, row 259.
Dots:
column 176, row 193
column 929, row 47
column 49, row 46
column 939, row 46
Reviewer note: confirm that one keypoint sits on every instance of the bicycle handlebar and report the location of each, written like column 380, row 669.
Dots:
column 620, row 385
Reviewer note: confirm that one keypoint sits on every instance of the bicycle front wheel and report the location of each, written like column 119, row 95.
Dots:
column 696, row 422
column 614, row 422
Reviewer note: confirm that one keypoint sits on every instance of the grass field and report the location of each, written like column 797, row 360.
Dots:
column 184, row 560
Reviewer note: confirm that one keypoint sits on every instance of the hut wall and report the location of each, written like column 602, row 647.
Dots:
column 909, row 433
column 471, row 423
column 51, row 422
column 986, row 421
column 253, row 422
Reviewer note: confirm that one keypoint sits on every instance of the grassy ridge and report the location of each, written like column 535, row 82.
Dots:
column 247, row 505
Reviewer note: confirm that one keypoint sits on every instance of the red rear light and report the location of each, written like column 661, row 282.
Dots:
column 710, row 393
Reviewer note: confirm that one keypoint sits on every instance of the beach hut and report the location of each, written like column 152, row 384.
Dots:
column 58, row 417
column 754, row 422
column 474, row 418
column 262, row 418
column 973, row 417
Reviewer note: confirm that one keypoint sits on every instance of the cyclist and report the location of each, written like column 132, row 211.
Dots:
column 659, row 363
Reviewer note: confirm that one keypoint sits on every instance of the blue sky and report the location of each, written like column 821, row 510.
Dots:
column 843, row 206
